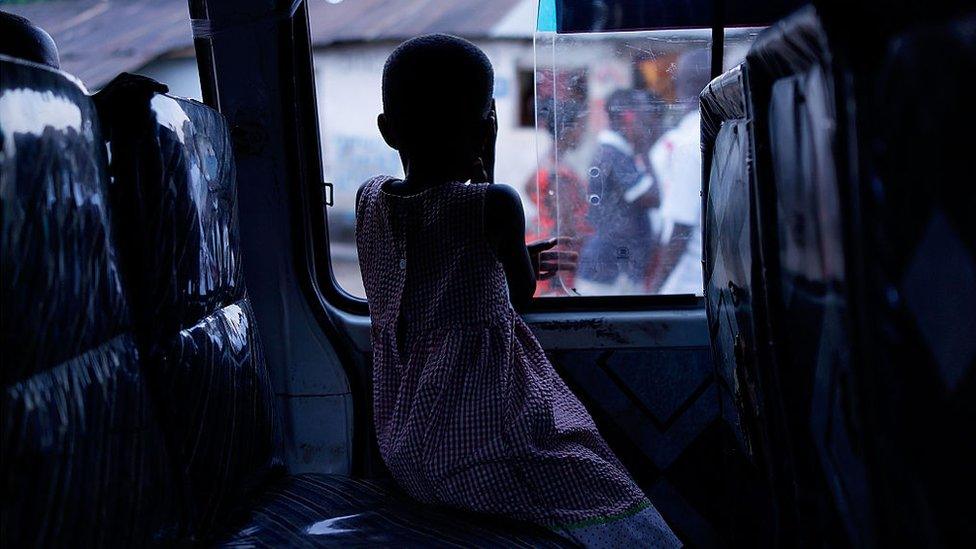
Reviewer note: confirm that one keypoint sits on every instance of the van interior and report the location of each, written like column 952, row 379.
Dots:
column 185, row 336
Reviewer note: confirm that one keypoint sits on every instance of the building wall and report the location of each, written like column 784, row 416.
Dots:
column 180, row 74
column 348, row 80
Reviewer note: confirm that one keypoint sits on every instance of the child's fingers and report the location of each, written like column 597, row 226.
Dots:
column 564, row 240
column 559, row 255
column 557, row 266
column 540, row 246
column 478, row 172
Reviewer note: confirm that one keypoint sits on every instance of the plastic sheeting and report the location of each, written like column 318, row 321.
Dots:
column 176, row 215
column 335, row 511
column 728, row 251
column 916, row 221
column 799, row 222
column 83, row 464
column 629, row 15
column 734, row 297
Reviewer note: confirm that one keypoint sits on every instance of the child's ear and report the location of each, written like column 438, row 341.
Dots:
column 489, row 129
column 493, row 119
column 387, row 131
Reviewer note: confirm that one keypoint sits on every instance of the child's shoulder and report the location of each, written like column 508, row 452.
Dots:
column 372, row 184
column 502, row 204
column 502, row 195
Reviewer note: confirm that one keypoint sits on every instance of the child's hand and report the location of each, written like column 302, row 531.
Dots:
column 548, row 262
column 478, row 172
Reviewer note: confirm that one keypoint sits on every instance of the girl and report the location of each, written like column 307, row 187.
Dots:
column 469, row 412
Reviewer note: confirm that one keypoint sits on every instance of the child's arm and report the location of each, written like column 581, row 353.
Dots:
column 505, row 230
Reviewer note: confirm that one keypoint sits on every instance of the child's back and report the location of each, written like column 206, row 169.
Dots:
column 468, row 410
column 425, row 256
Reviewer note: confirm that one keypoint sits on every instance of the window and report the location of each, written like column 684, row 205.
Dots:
column 622, row 171
column 526, row 83
column 350, row 47
column 157, row 41
column 599, row 132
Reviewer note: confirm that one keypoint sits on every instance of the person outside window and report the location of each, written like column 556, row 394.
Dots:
column 622, row 192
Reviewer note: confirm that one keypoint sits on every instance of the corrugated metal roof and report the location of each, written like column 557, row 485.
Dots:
column 101, row 38
column 98, row 39
column 354, row 20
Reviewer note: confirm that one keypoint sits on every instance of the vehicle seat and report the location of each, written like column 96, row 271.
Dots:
column 912, row 231
column 734, row 304
column 791, row 90
column 174, row 201
column 83, row 463
column 175, row 191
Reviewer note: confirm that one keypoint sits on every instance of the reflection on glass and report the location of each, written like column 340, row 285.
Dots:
column 620, row 170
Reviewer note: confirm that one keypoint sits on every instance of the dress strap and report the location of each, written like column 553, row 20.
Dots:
column 370, row 190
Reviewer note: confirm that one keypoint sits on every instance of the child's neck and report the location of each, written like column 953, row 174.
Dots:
column 419, row 173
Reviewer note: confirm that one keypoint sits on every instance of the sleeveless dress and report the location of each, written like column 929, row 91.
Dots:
column 469, row 412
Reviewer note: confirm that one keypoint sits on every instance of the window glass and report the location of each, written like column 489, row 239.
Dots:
column 621, row 170
column 737, row 43
column 98, row 39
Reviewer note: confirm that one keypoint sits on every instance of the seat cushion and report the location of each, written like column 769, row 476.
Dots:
column 81, row 462
column 331, row 510
column 801, row 246
column 175, row 206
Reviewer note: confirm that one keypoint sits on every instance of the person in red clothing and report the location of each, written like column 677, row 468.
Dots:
column 558, row 191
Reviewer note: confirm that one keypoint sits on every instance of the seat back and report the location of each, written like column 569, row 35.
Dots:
column 915, row 240
column 735, row 308
column 804, row 265
column 176, row 201
column 83, row 464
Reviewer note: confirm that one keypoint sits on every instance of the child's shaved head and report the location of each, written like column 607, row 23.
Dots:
column 436, row 88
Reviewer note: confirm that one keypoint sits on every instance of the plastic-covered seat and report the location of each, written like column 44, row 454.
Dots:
column 83, row 462
column 911, row 79
column 735, row 305
column 175, row 205
column 175, row 197
column 867, row 253
column 791, row 87
column 313, row 510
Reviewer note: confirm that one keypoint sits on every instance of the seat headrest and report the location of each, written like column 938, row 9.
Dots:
column 22, row 39
column 175, row 200
column 62, row 291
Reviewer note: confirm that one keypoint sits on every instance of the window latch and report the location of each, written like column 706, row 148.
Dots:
column 327, row 194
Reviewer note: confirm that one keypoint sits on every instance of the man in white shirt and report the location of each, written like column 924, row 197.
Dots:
column 676, row 161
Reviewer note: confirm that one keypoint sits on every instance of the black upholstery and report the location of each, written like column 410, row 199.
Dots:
column 801, row 239
column 176, row 201
column 862, row 206
column 83, row 464
column 915, row 235
column 331, row 510
column 736, row 311
column 729, row 262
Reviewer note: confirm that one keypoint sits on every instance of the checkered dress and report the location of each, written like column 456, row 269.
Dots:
column 469, row 412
